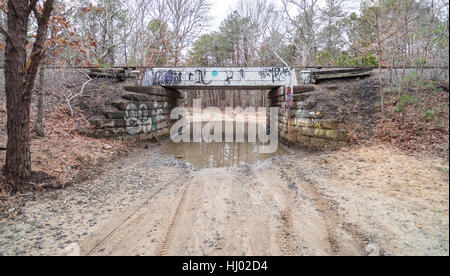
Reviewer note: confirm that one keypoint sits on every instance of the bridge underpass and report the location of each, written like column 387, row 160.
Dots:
column 235, row 79
column 297, row 124
column 143, row 111
column 267, row 205
column 223, row 170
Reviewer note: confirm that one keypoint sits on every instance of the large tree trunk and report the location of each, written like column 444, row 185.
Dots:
column 20, row 75
column 18, row 159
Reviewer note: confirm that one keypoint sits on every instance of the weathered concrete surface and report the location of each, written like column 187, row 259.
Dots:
column 243, row 88
column 255, row 78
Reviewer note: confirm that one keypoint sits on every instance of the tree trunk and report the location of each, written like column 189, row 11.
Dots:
column 18, row 158
column 380, row 57
column 176, row 54
column 20, row 76
column 39, row 124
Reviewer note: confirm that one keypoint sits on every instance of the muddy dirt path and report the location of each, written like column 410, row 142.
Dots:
column 280, row 207
column 357, row 201
column 235, row 211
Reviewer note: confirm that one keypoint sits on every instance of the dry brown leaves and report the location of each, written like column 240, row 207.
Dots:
column 64, row 155
column 66, row 152
column 411, row 131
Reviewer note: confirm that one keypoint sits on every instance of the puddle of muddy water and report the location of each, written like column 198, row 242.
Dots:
column 220, row 154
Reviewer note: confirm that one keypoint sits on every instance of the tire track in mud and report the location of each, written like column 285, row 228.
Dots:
column 168, row 238
column 332, row 219
column 111, row 233
column 329, row 216
column 285, row 239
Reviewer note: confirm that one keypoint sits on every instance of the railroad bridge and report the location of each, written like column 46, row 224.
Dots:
column 143, row 111
column 236, row 78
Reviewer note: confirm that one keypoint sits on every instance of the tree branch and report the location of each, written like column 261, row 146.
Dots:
column 6, row 34
column 32, row 6
column 37, row 14
column 70, row 99
column 38, row 51
column 282, row 60
column 276, row 55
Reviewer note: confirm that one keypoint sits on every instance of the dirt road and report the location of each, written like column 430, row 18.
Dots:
column 292, row 205
column 245, row 211
column 359, row 201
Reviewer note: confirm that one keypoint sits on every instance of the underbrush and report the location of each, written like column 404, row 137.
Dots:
column 417, row 117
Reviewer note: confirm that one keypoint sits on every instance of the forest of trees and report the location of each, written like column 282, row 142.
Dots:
column 395, row 34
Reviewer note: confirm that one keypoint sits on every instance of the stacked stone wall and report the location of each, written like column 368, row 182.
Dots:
column 141, row 113
column 306, row 127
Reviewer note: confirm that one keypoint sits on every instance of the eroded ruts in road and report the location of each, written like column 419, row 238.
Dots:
column 171, row 231
column 253, row 210
column 334, row 222
column 282, row 231
column 285, row 237
column 116, row 226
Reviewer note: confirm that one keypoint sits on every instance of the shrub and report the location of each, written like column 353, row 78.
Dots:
column 411, row 80
column 431, row 115
column 403, row 101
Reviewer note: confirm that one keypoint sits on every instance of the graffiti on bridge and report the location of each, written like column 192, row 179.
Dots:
column 168, row 77
column 200, row 75
column 275, row 74
column 138, row 119
column 225, row 76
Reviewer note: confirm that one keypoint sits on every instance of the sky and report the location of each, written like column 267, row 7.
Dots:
column 221, row 8
column 219, row 11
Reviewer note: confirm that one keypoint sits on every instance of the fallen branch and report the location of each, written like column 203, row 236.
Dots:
column 70, row 99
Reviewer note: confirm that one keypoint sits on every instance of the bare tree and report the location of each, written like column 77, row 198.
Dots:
column 109, row 23
column 331, row 36
column 186, row 20
column 136, row 47
column 260, row 14
column 305, row 26
column 378, row 16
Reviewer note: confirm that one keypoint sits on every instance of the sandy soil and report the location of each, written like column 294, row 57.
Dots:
column 356, row 201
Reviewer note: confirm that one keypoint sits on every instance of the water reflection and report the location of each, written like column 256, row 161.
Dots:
column 217, row 155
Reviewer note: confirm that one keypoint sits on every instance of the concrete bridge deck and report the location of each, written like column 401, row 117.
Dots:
column 248, row 87
column 238, row 78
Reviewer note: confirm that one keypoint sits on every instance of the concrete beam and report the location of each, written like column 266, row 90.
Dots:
column 221, row 77
column 233, row 87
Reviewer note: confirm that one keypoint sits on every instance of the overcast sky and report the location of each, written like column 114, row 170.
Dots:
column 221, row 8
column 219, row 11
